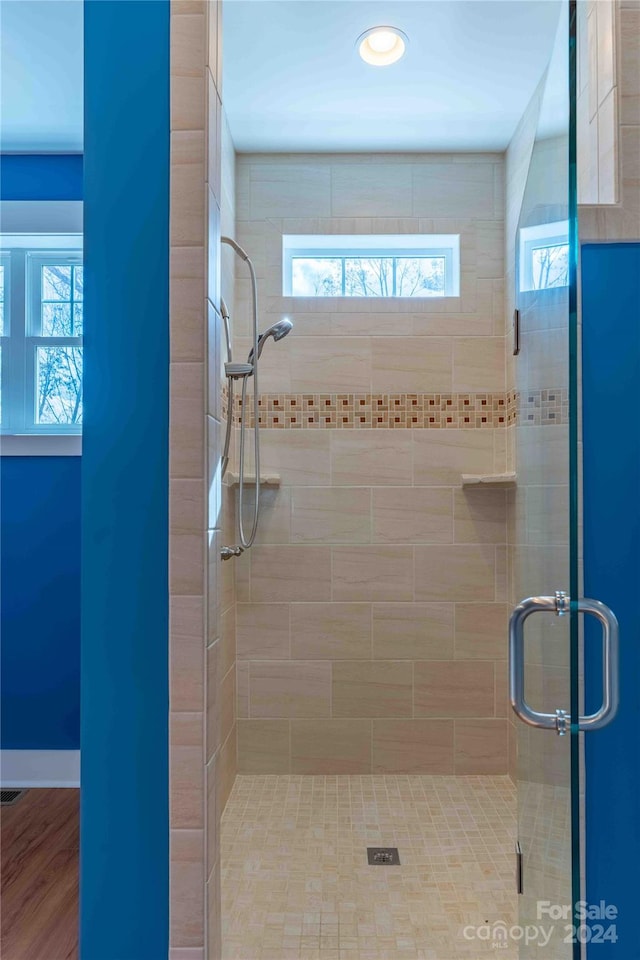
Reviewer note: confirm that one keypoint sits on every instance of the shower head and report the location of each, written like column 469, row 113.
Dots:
column 277, row 331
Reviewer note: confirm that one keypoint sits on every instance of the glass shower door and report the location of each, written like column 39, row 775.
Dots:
column 545, row 680
column 545, row 514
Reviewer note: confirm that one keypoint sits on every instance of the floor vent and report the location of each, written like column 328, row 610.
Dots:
column 9, row 797
column 383, row 857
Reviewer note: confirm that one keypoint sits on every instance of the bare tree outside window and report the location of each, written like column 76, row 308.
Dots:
column 420, row 277
column 368, row 276
column 59, row 371
column 61, row 304
column 550, row 266
column 41, row 326
column 59, row 368
column 317, row 277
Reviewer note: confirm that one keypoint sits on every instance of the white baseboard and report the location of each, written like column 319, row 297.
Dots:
column 39, row 768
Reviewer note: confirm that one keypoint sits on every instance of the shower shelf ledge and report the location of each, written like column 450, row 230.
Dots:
column 489, row 479
column 266, row 480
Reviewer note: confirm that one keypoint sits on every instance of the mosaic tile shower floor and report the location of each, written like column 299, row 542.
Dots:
column 295, row 879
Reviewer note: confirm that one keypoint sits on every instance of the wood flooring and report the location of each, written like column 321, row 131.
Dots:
column 39, row 876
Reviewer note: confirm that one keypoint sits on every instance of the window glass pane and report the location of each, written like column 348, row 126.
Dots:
column 56, row 282
column 78, row 283
column 1, row 300
column 61, row 300
column 59, row 385
column 374, row 265
column 78, row 311
column 56, row 320
column 550, row 266
column 316, row 277
column 420, row 277
column 368, row 277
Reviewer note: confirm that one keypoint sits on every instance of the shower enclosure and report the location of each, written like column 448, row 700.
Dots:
column 347, row 662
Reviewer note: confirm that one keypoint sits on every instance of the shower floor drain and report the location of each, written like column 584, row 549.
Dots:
column 9, row 797
column 383, row 857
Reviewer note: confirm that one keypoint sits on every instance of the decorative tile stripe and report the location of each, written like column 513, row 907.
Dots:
column 370, row 411
column 401, row 411
column 543, row 407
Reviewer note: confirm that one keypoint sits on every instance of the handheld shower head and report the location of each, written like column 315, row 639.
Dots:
column 277, row 331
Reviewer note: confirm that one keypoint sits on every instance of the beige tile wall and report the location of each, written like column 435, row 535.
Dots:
column 598, row 101
column 202, row 642
column 610, row 86
column 356, row 647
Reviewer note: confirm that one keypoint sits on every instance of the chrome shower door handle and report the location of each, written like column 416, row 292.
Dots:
column 610, row 665
column 560, row 720
column 547, row 721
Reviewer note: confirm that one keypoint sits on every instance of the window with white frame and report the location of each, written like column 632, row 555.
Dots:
column 544, row 256
column 394, row 265
column 41, row 335
column 4, row 281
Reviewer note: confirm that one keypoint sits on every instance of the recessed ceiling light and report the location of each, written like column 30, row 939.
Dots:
column 381, row 46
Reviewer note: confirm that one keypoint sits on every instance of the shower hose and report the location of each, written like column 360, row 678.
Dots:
column 244, row 541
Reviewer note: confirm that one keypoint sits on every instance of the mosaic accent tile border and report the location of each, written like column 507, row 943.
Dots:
column 370, row 411
column 402, row 411
column 543, row 407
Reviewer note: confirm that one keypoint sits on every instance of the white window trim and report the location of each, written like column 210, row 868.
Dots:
column 541, row 235
column 27, row 253
column 5, row 261
column 376, row 245
column 30, row 217
column 41, row 445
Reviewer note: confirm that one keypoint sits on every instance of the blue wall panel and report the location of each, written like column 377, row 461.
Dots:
column 124, row 891
column 40, row 544
column 40, row 619
column 611, row 377
column 41, row 176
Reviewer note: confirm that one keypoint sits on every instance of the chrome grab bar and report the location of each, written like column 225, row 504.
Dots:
column 560, row 720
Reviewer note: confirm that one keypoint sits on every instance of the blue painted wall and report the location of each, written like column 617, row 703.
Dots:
column 41, row 177
column 611, row 377
column 40, row 586
column 40, row 545
column 124, row 845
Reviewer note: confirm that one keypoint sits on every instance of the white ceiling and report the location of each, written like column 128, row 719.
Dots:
column 41, row 76
column 293, row 80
